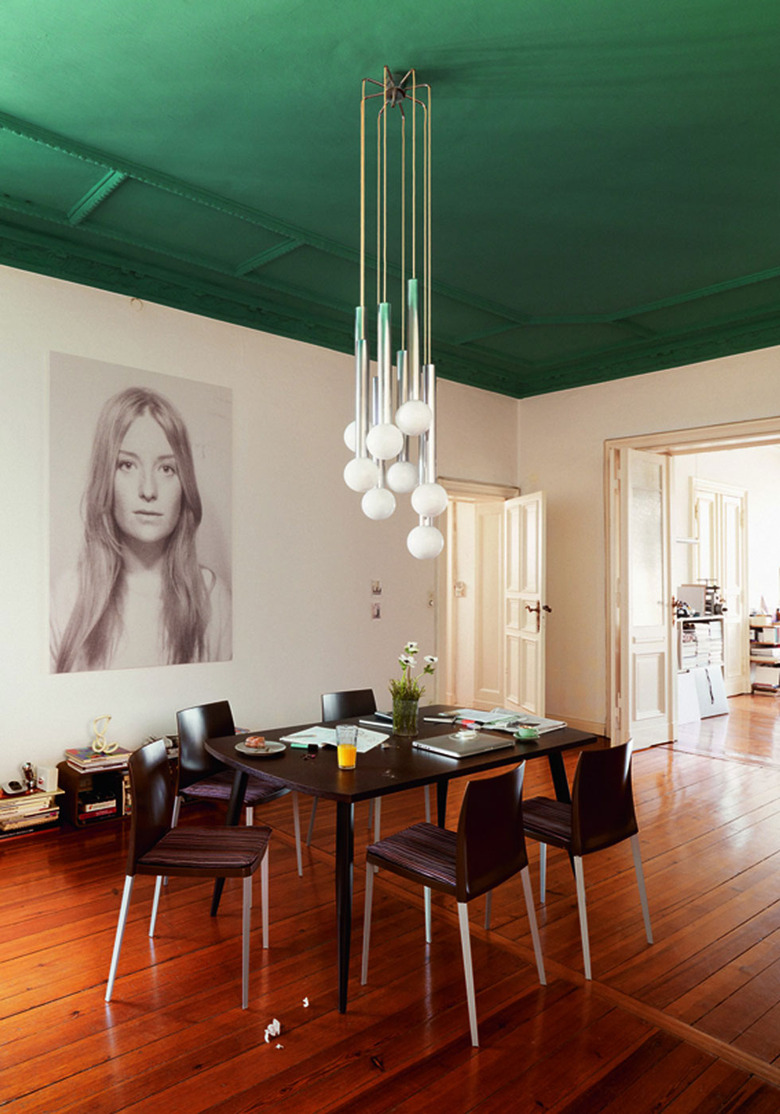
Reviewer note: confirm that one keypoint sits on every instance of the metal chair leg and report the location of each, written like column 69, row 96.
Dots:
column 155, row 904
column 525, row 874
column 640, row 881
column 264, row 874
column 250, row 816
column 367, row 923
column 297, row 827
column 468, row 970
column 579, row 876
column 311, row 821
column 120, row 931
column 427, row 907
column 246, row 921
column 542, row 873
column 427, row 791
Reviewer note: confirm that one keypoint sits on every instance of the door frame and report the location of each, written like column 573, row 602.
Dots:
column 712, row 438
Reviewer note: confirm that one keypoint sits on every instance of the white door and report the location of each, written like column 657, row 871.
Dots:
column 719, row 514
column 525, row 607
column 488, row 681
column 646, row 692
column 470, row 636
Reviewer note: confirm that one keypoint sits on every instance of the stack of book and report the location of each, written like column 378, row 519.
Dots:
column 28, row 812
column 87, row 761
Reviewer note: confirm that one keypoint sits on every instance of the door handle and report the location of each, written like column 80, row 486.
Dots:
column 537, row 611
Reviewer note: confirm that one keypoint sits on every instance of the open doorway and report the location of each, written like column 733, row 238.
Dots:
column 642, row 700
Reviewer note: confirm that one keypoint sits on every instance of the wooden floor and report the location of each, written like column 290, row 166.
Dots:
column 691, row 1024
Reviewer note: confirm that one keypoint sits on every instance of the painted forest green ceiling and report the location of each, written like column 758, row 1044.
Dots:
column 606, row 175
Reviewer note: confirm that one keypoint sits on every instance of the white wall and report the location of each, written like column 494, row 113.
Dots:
column 304, row 554
column 561, row 449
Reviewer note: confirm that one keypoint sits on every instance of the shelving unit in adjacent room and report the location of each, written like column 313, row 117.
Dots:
column 764, row 655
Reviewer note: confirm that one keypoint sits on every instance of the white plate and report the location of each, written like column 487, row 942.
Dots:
column 271, row 749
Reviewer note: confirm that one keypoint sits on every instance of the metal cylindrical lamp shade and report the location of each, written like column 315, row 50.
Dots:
column 413, row 336
column 362, row 386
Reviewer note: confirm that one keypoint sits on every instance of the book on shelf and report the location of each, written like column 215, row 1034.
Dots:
column 99, row 813
column 85, row 759
column 771, row 653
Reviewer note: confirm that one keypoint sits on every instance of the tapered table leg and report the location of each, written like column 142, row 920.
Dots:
column 345, row 816
column 441, row 802
column 558, row 771
column 235, row 804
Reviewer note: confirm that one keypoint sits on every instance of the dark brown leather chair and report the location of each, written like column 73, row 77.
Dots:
column 188, row 852
column 600, row 815
column 202, row 777
column 347, row 705
column 487, row 849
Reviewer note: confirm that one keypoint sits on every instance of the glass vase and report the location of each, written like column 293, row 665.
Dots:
column 404, row 717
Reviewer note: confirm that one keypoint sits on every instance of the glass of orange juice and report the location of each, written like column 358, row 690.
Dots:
column 346, row 742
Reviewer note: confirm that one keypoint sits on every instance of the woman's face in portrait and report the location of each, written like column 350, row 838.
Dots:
column 147, row 487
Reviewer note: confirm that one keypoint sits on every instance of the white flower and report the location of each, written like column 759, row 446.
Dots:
column 429, row 660
column 411, row 648
column 406, row 659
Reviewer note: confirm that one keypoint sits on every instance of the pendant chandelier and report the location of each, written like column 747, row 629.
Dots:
column 393, row 435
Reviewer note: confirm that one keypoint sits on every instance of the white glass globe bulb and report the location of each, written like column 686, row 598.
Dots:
column 429, row 500
column 414, row 417
column 361, row 473
column 385, row 441
column 378, row 503
column 425, row 542
column 350, row 436
column 402, row 476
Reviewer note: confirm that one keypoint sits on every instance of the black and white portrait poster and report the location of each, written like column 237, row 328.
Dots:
column 140, row 564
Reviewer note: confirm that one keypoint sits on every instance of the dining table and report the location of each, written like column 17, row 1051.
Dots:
column 393, row 766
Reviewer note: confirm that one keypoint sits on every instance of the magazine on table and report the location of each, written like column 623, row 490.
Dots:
column 502, row 719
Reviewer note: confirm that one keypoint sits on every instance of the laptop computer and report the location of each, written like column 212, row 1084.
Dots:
column 462, row 748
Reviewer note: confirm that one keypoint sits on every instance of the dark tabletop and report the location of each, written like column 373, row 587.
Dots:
column 389, row 767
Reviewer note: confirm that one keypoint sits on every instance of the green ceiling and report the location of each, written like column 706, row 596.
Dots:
column 605, row 174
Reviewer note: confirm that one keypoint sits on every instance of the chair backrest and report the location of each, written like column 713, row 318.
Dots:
column 491, row 844
column 347, row 705
column 195, row 725
column 602, row 799
column 153, row 788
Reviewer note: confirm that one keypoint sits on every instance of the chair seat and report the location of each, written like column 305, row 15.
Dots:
column 260, row 788
column 423, row 851
column 206, row 852
column 548, row 821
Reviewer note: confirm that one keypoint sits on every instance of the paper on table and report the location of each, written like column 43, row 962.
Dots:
column 326, row 736
column 311, row 736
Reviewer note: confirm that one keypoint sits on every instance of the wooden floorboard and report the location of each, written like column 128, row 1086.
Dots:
column 688, row 1025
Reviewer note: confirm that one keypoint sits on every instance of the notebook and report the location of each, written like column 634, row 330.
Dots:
column 462, row 748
